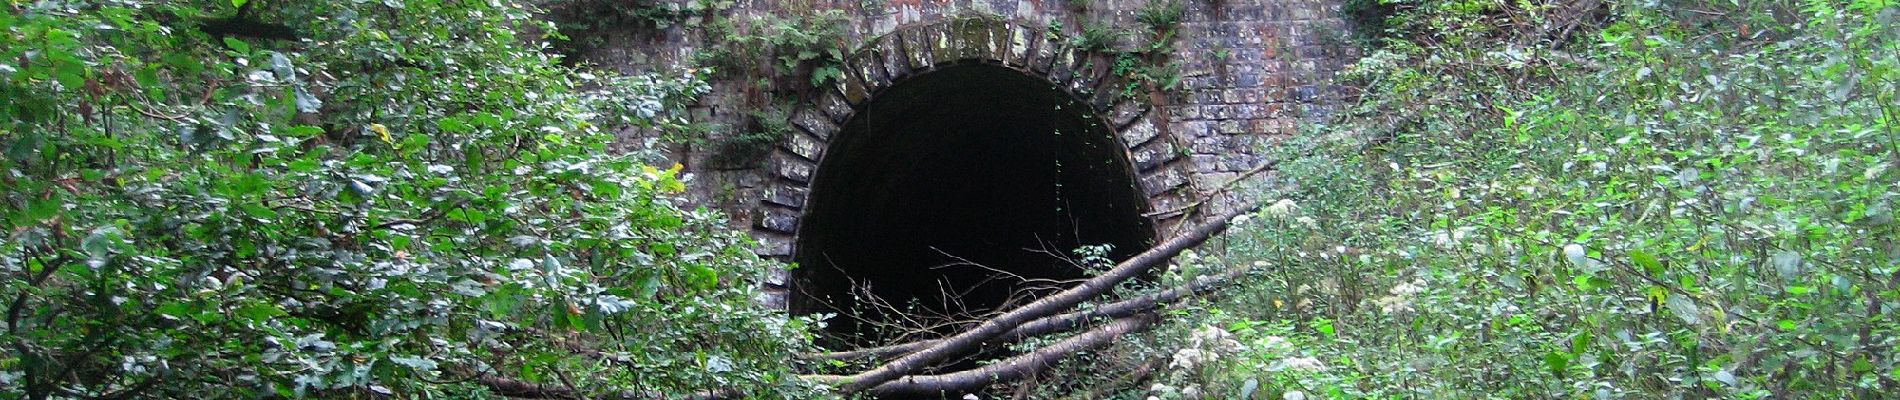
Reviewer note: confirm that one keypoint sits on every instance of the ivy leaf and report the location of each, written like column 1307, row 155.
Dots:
column 239, row 3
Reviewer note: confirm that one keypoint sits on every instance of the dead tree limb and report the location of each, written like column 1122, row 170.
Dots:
column 1061, row 322
column 1046, row 306
column 1018, row 366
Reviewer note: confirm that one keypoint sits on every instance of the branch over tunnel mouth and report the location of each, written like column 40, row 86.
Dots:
column 956, row 192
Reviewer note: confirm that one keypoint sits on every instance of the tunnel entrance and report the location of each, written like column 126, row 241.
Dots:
column 954, row 192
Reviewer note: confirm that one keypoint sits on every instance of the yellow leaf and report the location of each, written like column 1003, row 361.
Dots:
column 382, row 131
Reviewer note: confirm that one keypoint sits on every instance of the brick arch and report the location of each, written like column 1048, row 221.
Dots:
column 1152, row 158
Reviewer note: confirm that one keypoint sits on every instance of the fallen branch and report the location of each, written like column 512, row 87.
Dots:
column 1057, row 323
column 1015, row 367
column 1001, row 324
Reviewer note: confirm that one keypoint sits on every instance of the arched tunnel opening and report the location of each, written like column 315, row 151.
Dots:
column 954, row 193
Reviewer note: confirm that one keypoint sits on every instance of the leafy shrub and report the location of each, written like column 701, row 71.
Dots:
column 405, row 199
column 1688, row 199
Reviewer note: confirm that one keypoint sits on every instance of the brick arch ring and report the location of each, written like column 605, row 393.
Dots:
column 1158, row 168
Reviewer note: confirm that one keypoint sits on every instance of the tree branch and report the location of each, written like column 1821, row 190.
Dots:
column 1057, row 323
column 1018, row 366
column 1001, row 324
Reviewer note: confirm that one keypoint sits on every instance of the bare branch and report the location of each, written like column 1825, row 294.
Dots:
column 1043, row 307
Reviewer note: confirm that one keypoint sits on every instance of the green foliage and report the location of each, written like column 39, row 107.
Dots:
column 747, row 149
column 1160, row 15
column 1096, row 37
column 410, row 200
column 806, row 43
column 1681, row 200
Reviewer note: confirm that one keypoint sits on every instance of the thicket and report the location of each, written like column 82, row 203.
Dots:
column 1619, row 199
column 409, row 198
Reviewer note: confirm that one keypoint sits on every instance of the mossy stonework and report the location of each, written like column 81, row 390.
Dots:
column 1250, row 71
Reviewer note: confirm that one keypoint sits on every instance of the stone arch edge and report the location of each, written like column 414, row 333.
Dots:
column 1160, row 173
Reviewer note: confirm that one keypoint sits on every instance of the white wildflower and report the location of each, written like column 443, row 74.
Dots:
column 1300, row 363
column 1282, row 208
column 1188, row 358
column 1161, row 388
column 1274, row 343
column 1400, row 297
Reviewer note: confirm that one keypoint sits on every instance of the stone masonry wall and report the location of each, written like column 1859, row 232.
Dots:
column 1253, row 71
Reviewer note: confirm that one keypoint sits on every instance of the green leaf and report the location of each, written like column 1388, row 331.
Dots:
column 1647, row 261
column 1324, row 326
column 260, row 312
column 1861, row 365
column 239, row 3
column 43, row 209
column 1557, row 362
column 258, row 211
column 237, row 45
column 702, row 277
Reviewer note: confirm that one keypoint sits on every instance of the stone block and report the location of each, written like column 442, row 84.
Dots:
column 778, row 220
column 805, row 146
column 1154, row 155
column 815, row 123
column 890, row 49
column 834, row 107
column 1161, row 181
column 868, row 65
column 792, row 168
column 917, row 48
column 788, row 196
column 1020, row 40
column 1139, row 133
column 1126, row 111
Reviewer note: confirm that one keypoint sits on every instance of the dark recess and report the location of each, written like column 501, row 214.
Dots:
column 978, row 161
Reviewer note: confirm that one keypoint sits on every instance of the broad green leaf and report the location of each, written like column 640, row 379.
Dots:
column 1647, row 261
column 237, row 45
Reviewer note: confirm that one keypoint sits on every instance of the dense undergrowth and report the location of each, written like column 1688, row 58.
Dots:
column 232, row 199
column 1626, row 199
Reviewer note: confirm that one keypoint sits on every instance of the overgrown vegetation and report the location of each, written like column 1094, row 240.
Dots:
column 395, row 198
column 775, row 57
column 1531, row 200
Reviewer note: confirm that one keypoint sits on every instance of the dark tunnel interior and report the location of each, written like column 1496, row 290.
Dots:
column 969, row 164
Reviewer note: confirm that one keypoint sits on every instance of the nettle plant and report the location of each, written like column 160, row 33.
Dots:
column 369, row 199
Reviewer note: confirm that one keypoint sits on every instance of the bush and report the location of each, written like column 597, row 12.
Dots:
column 1672, row 200
column 378, row 198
